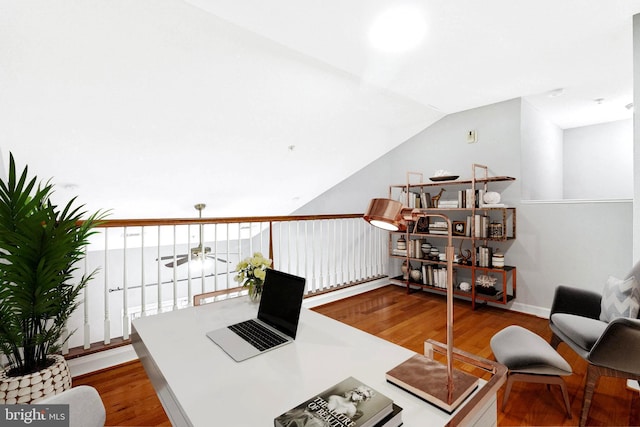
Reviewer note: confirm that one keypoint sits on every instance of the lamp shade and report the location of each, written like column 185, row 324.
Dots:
column 385, row 214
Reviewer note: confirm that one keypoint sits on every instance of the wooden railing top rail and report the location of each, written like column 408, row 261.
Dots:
column 108, row 223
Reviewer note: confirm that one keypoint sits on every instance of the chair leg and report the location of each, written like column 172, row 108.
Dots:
column 565, row 395
column 555, row 341
column 593, row 374
column 507, row 391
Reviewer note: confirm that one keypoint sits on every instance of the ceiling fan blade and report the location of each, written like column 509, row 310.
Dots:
column 179, row 262
column 218, row 258
column 170, row 257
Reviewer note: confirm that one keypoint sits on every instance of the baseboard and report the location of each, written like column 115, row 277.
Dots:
column 530, row 309
column 339, row 294
column 101, row 360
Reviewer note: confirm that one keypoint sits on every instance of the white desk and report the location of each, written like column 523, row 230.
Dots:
column 199, row 385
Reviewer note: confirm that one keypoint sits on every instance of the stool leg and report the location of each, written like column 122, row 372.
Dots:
column 507, row 390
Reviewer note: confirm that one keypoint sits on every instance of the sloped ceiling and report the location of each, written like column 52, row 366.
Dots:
column 254, row 107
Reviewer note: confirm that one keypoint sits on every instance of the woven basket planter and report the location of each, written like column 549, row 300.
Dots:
column 29, row 388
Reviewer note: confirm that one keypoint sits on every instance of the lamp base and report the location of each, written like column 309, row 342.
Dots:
column 428, row 380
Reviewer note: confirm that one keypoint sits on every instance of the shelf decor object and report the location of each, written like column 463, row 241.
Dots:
column 391, row 215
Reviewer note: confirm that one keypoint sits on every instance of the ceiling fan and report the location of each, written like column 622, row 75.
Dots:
column 199, row 252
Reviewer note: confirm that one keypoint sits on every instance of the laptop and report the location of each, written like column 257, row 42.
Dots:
column 276, row 324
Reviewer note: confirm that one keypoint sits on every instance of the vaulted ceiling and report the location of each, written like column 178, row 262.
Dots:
column 256, row 107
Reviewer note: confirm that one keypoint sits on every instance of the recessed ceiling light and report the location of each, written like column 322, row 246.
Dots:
column 398, row 29
column 556, row 92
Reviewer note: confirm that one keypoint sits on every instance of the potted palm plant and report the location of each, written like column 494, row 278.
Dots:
column 40, row 246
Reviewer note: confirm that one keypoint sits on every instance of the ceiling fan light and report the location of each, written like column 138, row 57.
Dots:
column 198, row 265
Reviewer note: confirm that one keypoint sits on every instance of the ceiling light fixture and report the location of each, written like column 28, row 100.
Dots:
column 556, row 92
column 398, row 29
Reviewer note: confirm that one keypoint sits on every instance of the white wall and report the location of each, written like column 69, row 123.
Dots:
column 150, row 106
column 577, row 243
column 598, row 161
column 542, row 156
column 636, row 137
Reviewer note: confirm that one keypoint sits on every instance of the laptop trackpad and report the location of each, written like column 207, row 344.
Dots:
column 232, row 344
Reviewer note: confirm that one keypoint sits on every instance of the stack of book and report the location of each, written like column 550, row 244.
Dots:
column 480, row 225
column 438, row 227
column 434, row 276
column 484, row 256
column 448, row 204
column 413, row 249
column 350, row 403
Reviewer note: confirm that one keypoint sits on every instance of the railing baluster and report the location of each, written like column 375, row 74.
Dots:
column 143, row 291
column 87, row 326
column 175, row 271
column 125, row 293
column 228, row 248
column 215, row 268
column 202, row 260
column 107, row 322
column 159, row 288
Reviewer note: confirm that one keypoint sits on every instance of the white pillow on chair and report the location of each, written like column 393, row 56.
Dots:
column 620, row 298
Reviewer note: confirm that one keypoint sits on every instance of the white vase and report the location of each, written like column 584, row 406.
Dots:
column 31, row 387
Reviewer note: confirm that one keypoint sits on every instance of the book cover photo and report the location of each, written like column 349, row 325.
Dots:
column 350, row 403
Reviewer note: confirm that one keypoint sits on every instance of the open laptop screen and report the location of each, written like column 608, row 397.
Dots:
column 281, row 301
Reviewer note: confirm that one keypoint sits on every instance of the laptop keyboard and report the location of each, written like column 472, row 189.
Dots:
column 257, row 335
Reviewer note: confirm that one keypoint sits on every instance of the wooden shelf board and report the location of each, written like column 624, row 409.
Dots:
column 458, row 182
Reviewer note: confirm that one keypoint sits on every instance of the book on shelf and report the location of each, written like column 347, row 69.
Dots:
column 480, row 225
column 448, row 204
column 399, row 252
column 419, row 374
column 349, row 403
column 438, row 227
column 484, row 256
column 471, row 198
column 435, row 276
column 425, row 200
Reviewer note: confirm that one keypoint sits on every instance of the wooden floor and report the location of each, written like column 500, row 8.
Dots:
column 408, row 320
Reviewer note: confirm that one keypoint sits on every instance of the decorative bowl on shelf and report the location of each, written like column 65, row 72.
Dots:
column 444, row 178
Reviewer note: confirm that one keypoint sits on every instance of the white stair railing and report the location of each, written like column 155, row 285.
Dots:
column 145, row 267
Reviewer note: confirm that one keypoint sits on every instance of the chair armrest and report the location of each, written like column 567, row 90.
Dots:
column 618, row 346
column 578, row 301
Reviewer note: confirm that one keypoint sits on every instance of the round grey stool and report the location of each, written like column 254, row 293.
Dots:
column 530, row 359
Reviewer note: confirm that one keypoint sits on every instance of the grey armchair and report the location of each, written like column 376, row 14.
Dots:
column 610, row 349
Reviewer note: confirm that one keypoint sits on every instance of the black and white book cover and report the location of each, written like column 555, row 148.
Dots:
column 350, row 403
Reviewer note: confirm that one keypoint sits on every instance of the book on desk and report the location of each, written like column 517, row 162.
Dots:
column 349, row 403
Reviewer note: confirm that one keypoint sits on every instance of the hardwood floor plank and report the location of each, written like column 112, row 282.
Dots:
column 128, row 396
column 408, row 320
